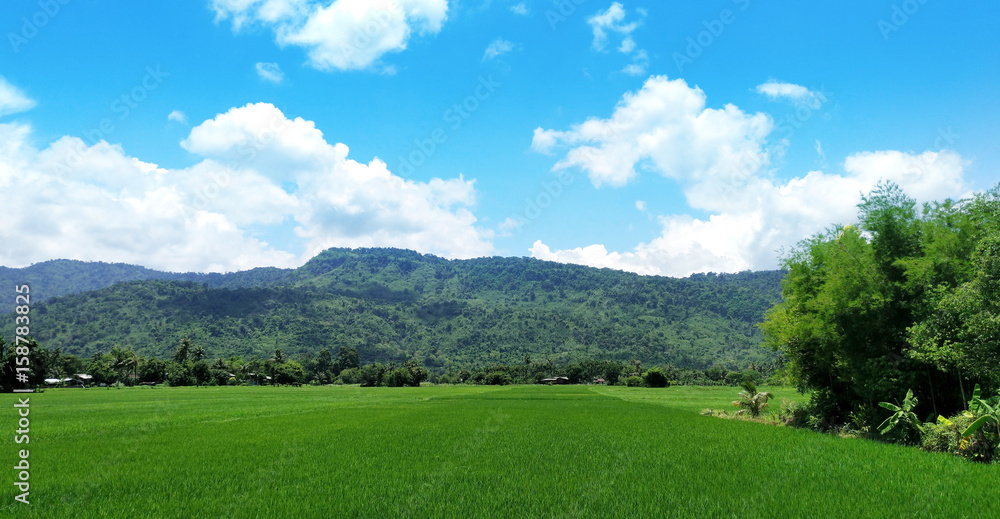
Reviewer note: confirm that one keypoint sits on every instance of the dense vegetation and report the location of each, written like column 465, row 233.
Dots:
column 907, row 300
column 55, row 278
column 398, row 306
column 462, row 452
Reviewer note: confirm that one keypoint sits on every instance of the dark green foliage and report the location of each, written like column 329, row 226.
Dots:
column 902, row 301
column 55, row 278
column 153, row 370
column 497, row 378
column 389, row 305
column 655, row 377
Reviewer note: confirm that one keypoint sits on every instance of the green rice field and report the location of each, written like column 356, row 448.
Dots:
column 442, row 451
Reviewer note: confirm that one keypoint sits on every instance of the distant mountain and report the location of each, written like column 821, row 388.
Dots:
column 394, row 305
column 61, row 277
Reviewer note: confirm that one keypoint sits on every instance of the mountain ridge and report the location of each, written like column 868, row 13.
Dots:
column 396, row 304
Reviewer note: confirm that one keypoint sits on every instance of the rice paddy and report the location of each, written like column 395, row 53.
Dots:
column 460, row 451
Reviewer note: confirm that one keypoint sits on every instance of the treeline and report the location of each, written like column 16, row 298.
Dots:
column 908, row 300
column 189, row 366
column 394, row 306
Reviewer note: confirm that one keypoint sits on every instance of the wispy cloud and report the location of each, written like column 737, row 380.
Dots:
column 797, row 94
column 177, row 116
column 270, row 72
column 496, row 48
column 12, row 100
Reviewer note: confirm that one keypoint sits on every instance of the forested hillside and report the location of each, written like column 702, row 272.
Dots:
column 396, row 305
column 55, row 278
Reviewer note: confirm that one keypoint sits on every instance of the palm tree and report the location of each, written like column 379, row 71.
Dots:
column 198, row 353
column 278, row 357
column 124, row 362
column 183, row 349
column 750, row 400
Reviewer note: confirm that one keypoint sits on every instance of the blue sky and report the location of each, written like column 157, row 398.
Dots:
column 656, row 137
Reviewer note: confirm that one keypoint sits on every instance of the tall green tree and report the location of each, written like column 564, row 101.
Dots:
column 853, row 297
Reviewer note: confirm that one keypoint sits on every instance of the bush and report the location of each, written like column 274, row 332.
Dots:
column 655, row 377
column 398, row 377
column 946, row 436
column 633, row 381
column 497, row 378
column 350, row 376
column 793, row 414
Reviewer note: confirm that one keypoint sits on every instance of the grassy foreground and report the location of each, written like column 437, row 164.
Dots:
column 459, row 452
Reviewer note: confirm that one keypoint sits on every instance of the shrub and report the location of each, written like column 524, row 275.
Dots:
column 945, row 435
column 655, row 377
column 792, row 414
column 633, row 381
column 750, row 401
column 350, row 376
column 497, row 378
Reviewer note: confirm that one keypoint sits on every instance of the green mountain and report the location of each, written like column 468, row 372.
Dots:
column 394, row 305
column 60, row 277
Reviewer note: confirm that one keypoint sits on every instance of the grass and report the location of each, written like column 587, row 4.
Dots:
column 520, row 451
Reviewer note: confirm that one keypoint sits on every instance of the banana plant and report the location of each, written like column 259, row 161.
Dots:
column 901, row 414
column 987, row 411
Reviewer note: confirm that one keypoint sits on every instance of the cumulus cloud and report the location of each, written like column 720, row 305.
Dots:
column 270, row 72
column 177, row 116
column 520, row 9
column 259, row 171
column 798, row 94
column 664, row 127
column 719, row 158
column 496, row 48
column 769, row 216
column 12, row 100
column 343, row 34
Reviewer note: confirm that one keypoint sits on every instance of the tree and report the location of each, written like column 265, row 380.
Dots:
column 655, row 377
column 347, row 358
column 124, row 362
column 962, row 334
column 201, row 372
column 183, row 350
column 152, row 370
column 198, row 353
column 850, row 295
column 750, row 400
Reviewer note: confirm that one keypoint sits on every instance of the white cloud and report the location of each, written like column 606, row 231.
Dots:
column 98, row 203
column 177, row 116
column 270, row 72
column 343, row 34
column 640, row 61
column 798, row 94
column 612, row 20
column 664, row 127
column 719, row 158
column 520, row 9
column 770, row 216
column 640, row 205
column 496, row 48
column 761, row 217
column 12, row 100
